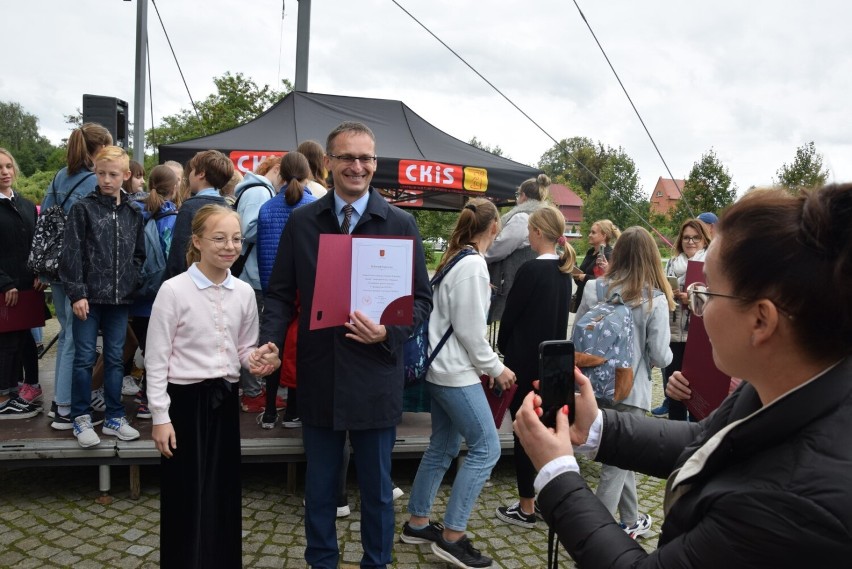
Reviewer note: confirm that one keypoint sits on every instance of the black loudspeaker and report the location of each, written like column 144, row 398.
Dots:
column 109, row 112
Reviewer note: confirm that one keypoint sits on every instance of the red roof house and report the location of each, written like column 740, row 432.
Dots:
column 666, row 195
column 570, row 204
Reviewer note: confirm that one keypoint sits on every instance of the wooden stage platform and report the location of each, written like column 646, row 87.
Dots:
column 32, row 442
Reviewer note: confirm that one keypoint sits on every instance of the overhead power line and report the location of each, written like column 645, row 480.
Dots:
column 174, row 55
column 541, row 128
column 635, row 110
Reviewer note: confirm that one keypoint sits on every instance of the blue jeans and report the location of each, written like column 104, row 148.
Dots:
column 457, row 413
column 64, row 345
column 111, row 320
column 371, row 451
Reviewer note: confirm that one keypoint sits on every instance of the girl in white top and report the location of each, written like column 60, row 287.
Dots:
column 203, row 327
column 460, row 410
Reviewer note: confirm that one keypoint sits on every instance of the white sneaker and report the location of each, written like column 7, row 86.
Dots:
column 85, row 432
column 397, row 493
column 640, row 528
column 120, row 428
column 129, row 385
column 98, row 401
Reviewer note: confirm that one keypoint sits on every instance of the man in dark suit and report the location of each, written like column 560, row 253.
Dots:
column 351, row 376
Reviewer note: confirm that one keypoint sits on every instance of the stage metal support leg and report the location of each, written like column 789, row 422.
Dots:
column 104, row 485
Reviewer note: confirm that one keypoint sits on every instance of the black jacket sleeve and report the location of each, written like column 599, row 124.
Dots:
column 71, row 270
column 742, row 530
column 644, row 444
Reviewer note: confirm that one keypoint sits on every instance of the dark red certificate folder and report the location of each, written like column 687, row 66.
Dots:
column 498, row 401
column 709, row 385
column 331, row 302
column 27, row 313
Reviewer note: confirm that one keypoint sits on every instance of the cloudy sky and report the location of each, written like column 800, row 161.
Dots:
column 752, row 80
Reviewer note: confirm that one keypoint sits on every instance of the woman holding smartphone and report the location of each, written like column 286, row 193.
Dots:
column 602, row 237
column 763, row 481
column 536, row 311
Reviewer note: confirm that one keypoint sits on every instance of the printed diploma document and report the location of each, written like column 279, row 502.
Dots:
column 367, row 273
column 381, row 273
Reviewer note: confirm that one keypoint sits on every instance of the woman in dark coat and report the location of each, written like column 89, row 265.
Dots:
column 536, row 311
column 763, row 481
column 17, row 347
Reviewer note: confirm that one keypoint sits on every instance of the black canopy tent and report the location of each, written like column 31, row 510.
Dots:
column 418, row 166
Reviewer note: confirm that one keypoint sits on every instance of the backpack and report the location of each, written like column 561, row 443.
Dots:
column 154, row 268
column 240, row 263
column 48, row 235
column 603, row 345
column 415, row 350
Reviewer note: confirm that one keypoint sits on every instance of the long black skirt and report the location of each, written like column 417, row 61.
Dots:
column 200, row 488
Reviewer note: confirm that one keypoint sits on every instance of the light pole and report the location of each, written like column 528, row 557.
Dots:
column 303, row 37
column 139, row 88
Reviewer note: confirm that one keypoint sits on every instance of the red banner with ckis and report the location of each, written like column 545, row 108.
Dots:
column 248, row 160
column 422, row 174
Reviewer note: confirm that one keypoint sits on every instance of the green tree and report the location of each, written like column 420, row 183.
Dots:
column 237, row 100
column 806, row 170
column 617, row 196
column 34, row 187
column 561, row 162
column 19, row 134
column 707, row 188
column 486, row 147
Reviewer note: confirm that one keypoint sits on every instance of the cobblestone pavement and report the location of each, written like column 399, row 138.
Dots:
column 51, row 518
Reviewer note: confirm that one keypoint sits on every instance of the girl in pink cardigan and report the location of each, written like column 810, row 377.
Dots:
column 203, row 328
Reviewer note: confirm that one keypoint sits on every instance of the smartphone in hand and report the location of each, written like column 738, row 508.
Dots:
column 556, row 379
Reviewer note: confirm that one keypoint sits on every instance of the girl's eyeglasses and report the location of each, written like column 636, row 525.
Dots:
column 221, row 242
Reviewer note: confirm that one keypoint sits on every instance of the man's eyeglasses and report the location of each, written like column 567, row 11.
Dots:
column 221, row 242
column 349, row 159
column 699, row 294
column 692, row 239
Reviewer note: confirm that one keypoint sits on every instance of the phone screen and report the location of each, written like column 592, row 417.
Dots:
column 556, row 379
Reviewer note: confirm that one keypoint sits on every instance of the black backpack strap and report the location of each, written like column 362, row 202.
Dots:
column 162, row 214
column 440, row 345
column 68, row 195
column 435, row 280
column 439, row 276
column 52, row 188
column 248, row 187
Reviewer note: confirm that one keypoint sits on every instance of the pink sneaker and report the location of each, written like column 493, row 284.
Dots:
column 30, row 393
